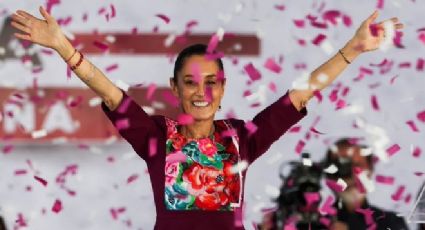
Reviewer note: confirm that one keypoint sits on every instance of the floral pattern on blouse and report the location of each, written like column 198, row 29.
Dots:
column 199, row 173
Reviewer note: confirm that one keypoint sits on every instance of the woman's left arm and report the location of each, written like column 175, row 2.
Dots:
column 368, row 37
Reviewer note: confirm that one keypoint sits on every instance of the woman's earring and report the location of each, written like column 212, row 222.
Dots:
column 219, row 107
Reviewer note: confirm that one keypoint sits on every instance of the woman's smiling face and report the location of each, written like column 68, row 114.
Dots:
column 199, row 87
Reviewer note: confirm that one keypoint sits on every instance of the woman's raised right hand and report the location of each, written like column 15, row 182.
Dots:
column 46, row 32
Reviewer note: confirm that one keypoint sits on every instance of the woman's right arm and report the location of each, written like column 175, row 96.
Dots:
column 48, row 33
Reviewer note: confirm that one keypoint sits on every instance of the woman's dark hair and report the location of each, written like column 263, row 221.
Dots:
column 196, row 49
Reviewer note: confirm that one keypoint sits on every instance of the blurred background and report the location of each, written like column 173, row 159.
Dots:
column 63, row 166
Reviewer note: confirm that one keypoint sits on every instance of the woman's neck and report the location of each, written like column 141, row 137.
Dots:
column 198, row 129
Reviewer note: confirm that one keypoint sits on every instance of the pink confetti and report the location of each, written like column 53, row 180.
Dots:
column 319, row 39
column 279, row 7
column 102, row 46
column 300, row 146
column 251, row 127
column 20, row 172
column 41, row 180
column 164, row 18
column 212, row 44
column 393, row 79
column 393, row 150
column 412, row 125
column 191, row 24
column 421, row 116
column 170, row 98
column 21, row 221
column 8, row 148
column 420, row 63
column 122, row 124
column 295, row 129
column 417, row 152
column 311, row 198
column 123, row 107
column 153, row 146
column 374, row 102
column 317, row 94
column 334, row 185
column 388, row 180
column 368, row 215
column 397, row 39
column 132, row 178
column 176, row 157
column 272, row 87
column 331, row 16
column 57, row 206
column 380, row 4
column 116, row 212
column 111, row 67
column 327, row 208
column 422, row 37
column 347, row 20
column 299, row 23
column 150, row 91
column 113, row 11
column 272, row 66
column 398, row 193
column 253, row 73
column 408, row 198
column 185, row 119
column 228, row 133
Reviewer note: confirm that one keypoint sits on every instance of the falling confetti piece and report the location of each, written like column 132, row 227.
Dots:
column 299, row 23
column 421, row 116
column 176, row 157
column 41, row 180
column 122, row 124
column 8, row 148
column 151, row 90
column 335, row 186
column 272, row 66
column 39, row 134
column 57, row 206
column 374, row 102
column 113, row 11
column 388, row 180
column 416, row 152
column 165, row 18
column 393, row 150
column 212, row 44
column 111, row 68
column 396, row 196
column 300, row 146
column 327, row 208
column 412, row 125
column 185, row 119
column 153, row 145
column 170, row 98
column 251, row 127
column 102, row 46
column 132, row 178
column 319, row 39
column 253, row 73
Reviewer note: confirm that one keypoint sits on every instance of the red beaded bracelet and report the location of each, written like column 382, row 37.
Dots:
column 69, row 59
column 79, row 62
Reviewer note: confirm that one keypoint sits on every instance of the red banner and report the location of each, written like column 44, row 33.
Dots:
column 65, row 114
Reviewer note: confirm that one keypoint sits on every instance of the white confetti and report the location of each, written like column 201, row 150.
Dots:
column 331, row 169
column 39, row 133
column 122, row 85
column 95, row 101
column 367, row 182
column 239, row 167
column 342, row 183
